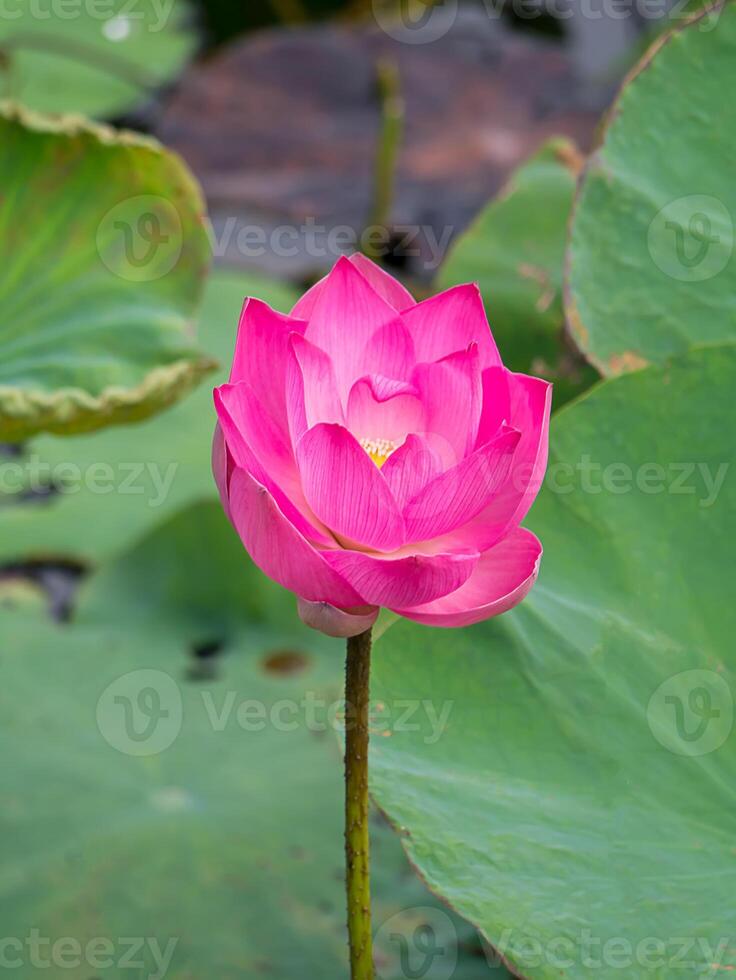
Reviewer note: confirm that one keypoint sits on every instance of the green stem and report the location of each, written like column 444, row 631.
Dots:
column 357, row 841
column 389, row 144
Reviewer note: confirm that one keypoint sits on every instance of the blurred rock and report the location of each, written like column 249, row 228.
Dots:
column 282, row 128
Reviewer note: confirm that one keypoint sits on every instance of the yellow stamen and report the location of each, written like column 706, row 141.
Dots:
column 379, row 450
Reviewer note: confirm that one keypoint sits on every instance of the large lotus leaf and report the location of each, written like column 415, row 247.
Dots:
column 150, row 792
column 125, row 480
column 515, row 251
column 103, row 257
column 651, row 264
column 97, row 57
column 580, row 806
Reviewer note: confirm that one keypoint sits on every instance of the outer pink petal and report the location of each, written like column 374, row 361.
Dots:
column 261, row 352
column 250, row 432
column 390, row 352
column 336, row 622
column 257, row 445
column 346, row 489
column 346, row 314
column 384, row 284
column 411, row 468
column 451, row 392
column 457, row 495
column 502, row 578
column 278, row 548
column 409, row 581
column 380, row 408
column 449, row 322
column 305, row 305
column 311, row 388
column 530, row 402
column 222, row 465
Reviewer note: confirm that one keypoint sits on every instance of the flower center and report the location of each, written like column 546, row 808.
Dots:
column 379, row 450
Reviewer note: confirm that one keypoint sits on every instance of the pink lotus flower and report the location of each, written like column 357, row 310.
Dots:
column 373, row 451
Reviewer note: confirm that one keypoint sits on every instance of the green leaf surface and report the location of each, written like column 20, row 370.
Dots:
column 124, row 481
column 103, row 258
column 101, row 58
column 580, row 804
column 515, row 251
column 651, row 264
column 194, row 800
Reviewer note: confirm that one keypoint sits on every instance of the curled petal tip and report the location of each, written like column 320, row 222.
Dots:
column 328, row 619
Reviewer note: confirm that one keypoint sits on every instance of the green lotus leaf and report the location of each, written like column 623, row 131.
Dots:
column 578, row 805
column 515, row 251
column 101, row 58
column 103, row 257
column 651, row 266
